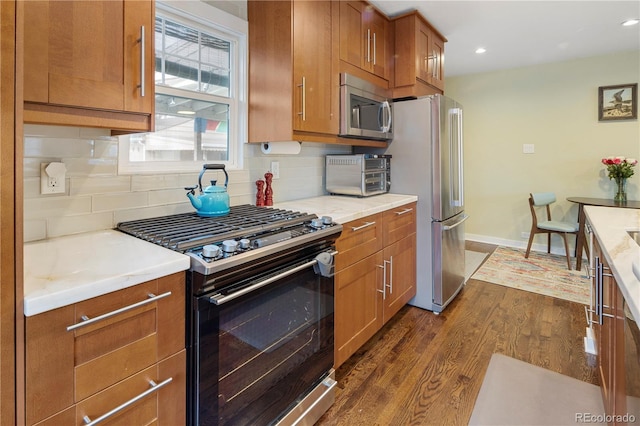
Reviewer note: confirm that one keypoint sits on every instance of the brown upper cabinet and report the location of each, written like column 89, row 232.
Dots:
column 90, row 64
column 293, row 77
column 365, row 38
column 419, row 57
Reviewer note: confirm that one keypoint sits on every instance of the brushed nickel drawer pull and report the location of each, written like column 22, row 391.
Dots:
column 368, row 45
column 384, row 280
column 366, row 224
column 154, row 388
column 142, row 64
column 405, row 211
column 87, row 320
column 303, row 87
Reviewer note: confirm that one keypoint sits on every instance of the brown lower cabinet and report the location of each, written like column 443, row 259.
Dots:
column 375, row 275
column 618, row 346
column 124, row 354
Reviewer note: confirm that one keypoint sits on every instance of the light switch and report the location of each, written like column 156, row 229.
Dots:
column 528, row 148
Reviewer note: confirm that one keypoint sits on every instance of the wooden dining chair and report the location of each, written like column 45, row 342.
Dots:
column 548, row 226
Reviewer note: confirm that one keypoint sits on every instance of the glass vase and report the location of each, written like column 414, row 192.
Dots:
column 621, row 191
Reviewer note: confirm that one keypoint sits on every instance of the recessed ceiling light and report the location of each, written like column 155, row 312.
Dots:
column 631, row 22
column 481, row 50
column 186, row 112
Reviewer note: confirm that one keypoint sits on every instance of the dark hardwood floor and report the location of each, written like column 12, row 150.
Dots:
column 427, row 369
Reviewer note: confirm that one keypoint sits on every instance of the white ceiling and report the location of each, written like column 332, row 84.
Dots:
column 522, row 33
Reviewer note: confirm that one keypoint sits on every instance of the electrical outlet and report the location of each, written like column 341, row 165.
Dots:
column 275, row 169
column 525, row 235
column 52, row 184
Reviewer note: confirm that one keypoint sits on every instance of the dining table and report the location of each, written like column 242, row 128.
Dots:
column 604, row 202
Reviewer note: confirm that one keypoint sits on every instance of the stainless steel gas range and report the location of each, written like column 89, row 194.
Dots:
column 260, row 312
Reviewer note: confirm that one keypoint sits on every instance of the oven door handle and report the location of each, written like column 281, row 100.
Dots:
column 219, row 299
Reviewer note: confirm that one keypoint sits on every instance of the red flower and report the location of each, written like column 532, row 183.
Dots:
column 619, row 167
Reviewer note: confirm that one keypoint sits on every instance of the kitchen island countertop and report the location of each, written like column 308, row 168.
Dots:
column 344, row 208
column 610, row 226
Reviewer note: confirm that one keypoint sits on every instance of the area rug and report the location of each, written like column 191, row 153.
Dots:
column 541, row 273
column 514, row 392
column 472, row 260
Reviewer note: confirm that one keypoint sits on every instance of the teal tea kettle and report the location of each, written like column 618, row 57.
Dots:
column 213, row 200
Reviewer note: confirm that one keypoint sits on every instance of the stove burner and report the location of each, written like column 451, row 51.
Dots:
column 188, row 231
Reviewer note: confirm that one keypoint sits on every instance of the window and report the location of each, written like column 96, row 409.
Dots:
column 200, row 78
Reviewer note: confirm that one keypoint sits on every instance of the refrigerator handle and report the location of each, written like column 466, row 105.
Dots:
column 460, row 157
column 447, row 227
column 456, row 157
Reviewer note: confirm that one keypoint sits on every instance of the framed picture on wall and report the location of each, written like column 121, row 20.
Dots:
column 618, row 102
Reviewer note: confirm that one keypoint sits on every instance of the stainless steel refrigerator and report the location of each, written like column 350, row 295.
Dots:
column 427, row 160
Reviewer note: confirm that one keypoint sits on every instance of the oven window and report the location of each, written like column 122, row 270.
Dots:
column 261, row 353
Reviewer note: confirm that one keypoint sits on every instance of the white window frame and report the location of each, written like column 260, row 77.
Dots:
column 217, row 22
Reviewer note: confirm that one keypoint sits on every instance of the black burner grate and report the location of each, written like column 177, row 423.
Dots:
column 182, row 232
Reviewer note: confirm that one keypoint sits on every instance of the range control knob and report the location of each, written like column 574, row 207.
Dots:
column 210, row 251
column 244, row 243
column 316, row 223
column 327, row 220
column 229, row 246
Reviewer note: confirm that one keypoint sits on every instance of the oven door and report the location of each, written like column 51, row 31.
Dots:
column 262, row 345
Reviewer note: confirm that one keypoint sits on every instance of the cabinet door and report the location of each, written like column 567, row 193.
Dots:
column 378, row 35
column 352, row 41
column 88, row 54
column 312, row 76
column 423, row 42
column 400, row 279
column 437, row 61
column 605, row 330
column 358, row 306
column 631, row 339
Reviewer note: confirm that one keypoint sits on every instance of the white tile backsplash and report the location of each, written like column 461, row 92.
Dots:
column 35, row 229
column 120, row 201
column 50, row 206
column 98, row 198
column 68, row 225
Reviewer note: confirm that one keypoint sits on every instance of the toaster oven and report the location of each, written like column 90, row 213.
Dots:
column 360, row 175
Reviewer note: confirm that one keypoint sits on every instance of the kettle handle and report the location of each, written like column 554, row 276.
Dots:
column 213, row 167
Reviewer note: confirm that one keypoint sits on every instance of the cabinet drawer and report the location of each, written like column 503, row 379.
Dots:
column 122, row 333
column 398, row 223
column 360, row 238
column 167, row 390
column 162, row 406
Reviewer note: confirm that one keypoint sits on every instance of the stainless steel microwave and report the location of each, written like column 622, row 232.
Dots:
column 361, row 175
column 366, row 112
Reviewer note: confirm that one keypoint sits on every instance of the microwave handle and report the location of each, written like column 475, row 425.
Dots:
column 385, row 106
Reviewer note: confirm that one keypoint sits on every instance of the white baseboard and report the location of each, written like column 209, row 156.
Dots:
column 542, row 248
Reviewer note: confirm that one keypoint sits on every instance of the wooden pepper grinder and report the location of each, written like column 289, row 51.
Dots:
column 260, row 193
column 268, row 192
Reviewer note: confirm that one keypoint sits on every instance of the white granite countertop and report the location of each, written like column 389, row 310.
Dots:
column 65, row 270
column 344, row 208
column 610, row 226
